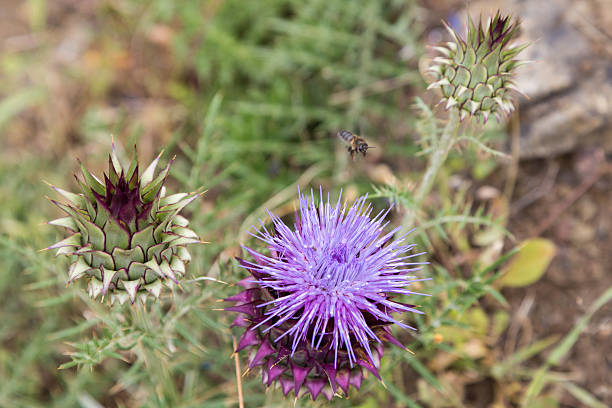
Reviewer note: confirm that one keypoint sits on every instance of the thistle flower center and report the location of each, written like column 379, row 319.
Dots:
column 335, row 269
column 123, row 201
column 340, row 254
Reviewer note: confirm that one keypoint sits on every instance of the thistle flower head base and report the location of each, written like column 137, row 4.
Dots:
column 475, row 75
column 126, row 235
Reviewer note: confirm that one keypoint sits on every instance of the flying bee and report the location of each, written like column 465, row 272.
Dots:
column 356, row 144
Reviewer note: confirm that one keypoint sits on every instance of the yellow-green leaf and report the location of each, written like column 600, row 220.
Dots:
column 545, row 401
column 500, row 322
column 529, row 264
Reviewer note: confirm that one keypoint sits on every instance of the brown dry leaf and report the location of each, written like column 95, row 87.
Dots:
column 381, row 174
column 474, row 348
column 160, row 34
column 442, row 360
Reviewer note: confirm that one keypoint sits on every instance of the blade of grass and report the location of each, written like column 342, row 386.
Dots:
column 423, row 371
column 539, row 380
column 499, row 370
column 583, row 395
column 71, row 331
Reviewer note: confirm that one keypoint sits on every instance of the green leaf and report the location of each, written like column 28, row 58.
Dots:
column 477, row 319
column 583, row 395
column 529, row 264
column 499, row 370
column 203, row 147
column 500, row 322
column 182, row 330
column 545, row 401
column 369, row 403
column 400, row 397
column 68, row 365
column 496, row 295
column 71, row 331
column 423, row 371
column 54, row 301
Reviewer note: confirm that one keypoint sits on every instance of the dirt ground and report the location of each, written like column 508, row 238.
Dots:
column 581, row 270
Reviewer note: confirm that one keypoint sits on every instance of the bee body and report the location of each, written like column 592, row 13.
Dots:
column 356, row 144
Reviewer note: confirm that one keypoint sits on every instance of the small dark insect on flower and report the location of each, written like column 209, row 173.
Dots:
column 318, row 307
column 356, row 144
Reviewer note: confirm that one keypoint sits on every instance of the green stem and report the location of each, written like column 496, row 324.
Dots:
column 436, row 161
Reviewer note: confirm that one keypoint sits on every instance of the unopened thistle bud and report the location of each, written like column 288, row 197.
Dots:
column 475, row 75
column 125, row 234
column 318, row 307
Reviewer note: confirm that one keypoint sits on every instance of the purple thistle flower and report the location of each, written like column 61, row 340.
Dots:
column 321, row 303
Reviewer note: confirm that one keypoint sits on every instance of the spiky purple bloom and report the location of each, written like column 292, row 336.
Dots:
column 321, row 302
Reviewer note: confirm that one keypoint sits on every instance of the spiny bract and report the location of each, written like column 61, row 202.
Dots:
column 126, row 235
column 319, row 306
column 475, row 75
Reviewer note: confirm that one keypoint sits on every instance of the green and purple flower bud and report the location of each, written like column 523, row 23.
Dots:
column 475, row 75
column 126, row 235
column 319, row 305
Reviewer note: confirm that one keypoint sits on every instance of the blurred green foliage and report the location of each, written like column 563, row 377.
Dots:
column 249, row 95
